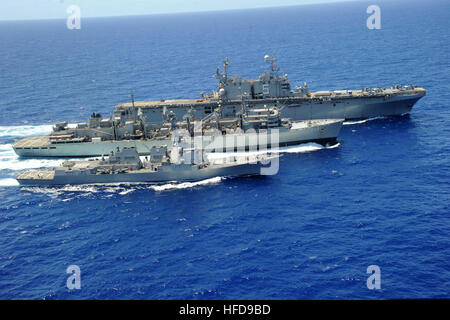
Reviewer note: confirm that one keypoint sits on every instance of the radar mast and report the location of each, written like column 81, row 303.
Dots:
column 271, row 60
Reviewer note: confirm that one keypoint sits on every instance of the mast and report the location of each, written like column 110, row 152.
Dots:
column 271, row 59
column 223, row 76
column 132, row 97
column 135, row 112
column 225, row 67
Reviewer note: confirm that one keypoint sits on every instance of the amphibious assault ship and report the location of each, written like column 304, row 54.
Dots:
column 125, row 166
column 272, row 89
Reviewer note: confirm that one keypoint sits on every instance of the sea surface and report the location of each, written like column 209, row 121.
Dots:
column 310, row 232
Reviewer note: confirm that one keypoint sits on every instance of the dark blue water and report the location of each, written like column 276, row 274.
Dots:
column 310, row 232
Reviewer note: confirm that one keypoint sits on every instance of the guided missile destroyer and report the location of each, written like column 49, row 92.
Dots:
column 125, row 166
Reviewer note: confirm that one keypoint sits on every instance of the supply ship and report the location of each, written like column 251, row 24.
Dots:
column 253, row 129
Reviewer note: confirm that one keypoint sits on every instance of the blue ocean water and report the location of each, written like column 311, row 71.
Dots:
column 309, row 232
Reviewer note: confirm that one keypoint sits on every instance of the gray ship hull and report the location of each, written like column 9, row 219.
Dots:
column 178, row 173
column 352, row 110
column 41, row 147
column 319, row 131
column 350, row 105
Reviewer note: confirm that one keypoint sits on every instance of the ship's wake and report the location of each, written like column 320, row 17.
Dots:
column 352, row 122
column 70, row 192
column 28, row 130
column 301, row 148
column 8, row 182
column 186, row 185
column 9, row 160
column 10, row 163
column 25, row 131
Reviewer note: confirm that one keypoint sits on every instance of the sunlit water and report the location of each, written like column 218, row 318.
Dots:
column 310, row 232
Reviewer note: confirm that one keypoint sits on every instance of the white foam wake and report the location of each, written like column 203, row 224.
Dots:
column 111, row 189
column 301, row 148
column 25, row 131
column 306, row 147
column 349, row 123
column 8, row 182
column 9, row 160
column 185, row 185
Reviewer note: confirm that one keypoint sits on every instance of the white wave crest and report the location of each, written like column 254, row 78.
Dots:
column 81, row 188
column 5, row 148
column 19, row 165
column 122, row 189
column 301, row 148
column 185, row 185
column 8, row 182
column 25, row 131
column 307, row 147
column 9, row 160
column 59, row 192
column 349, row 123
